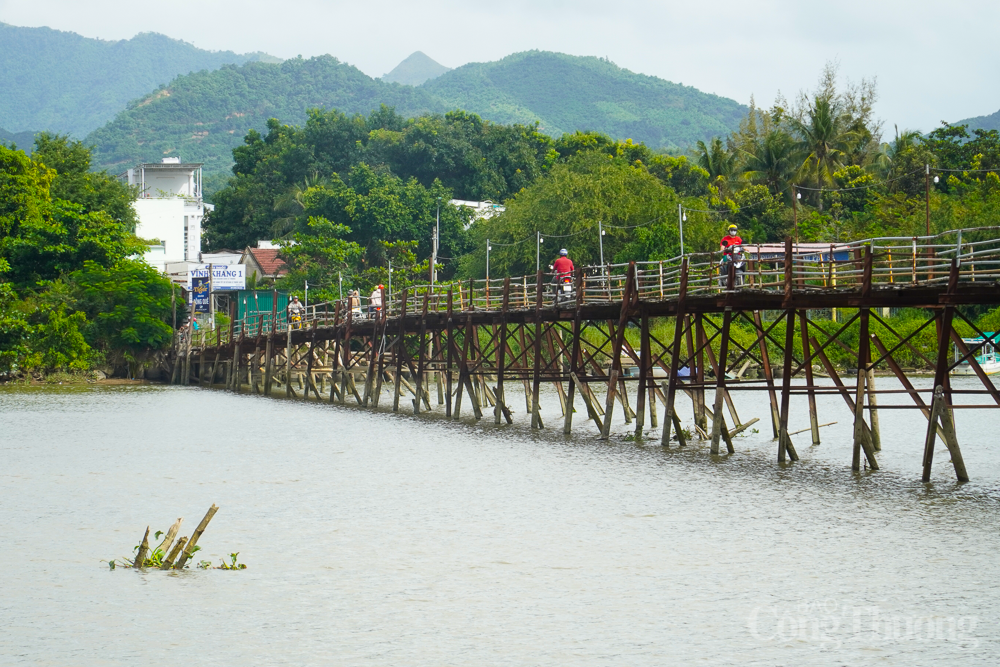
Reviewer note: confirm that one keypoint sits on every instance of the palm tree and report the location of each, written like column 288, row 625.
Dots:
column 886, row 161
column 771, row 161
column 825, row 137
column 290, row 204
column 716, row 160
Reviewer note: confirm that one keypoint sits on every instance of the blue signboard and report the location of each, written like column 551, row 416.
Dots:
column 200, row 295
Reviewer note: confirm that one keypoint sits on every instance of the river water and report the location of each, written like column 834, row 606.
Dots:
column 381, row 539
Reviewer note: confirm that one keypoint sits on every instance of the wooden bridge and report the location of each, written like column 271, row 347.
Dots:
column 471, row 343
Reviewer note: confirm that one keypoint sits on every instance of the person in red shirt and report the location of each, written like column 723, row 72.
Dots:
column 731, row 238
column 564, row 265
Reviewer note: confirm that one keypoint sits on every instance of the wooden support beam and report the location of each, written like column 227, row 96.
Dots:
column 859, row 400
column 645, row 370
column 866, row 443
column 346, row 351
column 699, row 373
column 785, row 445
column 940, row 379
column 421, row 352
column 574, row 360
column 450, row 346
column 768, row 374
column 536, row 414
column 309, row 362
column 806, row 355
column 269, row 353
column 616, row 351
column 670, row 387
column 501, row 351
column 725, row 392
column 718, row 423
column 398, row 354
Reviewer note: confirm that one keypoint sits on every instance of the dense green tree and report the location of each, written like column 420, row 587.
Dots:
column 126, row 305
column 71, row 293
column 770, row 161
column 75, row 182
column 638, row 212
column 760, row 215
column 825, row 137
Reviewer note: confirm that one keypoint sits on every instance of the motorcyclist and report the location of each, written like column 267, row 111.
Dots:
column 732, row 238
column 563, row 266
column 731, row 246
column 295, row 311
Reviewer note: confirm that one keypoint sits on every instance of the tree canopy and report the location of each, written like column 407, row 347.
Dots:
column 72, row 293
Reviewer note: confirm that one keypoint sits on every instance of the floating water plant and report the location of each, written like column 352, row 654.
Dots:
column 171, row 555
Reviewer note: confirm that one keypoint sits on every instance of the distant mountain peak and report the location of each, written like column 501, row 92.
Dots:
column 416, row 69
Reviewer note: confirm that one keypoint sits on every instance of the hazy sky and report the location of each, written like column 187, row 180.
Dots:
column 933, row 60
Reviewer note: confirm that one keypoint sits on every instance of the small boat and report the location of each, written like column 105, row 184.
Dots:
column 986, row 355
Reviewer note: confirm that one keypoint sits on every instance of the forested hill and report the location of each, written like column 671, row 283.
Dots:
column 67, row 83
column 991, row 122
column 23, row 140
column 201, row 117
column 568, row 93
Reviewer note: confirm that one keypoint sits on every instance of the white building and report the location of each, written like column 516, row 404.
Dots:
column 482, row 210
column 170, row 211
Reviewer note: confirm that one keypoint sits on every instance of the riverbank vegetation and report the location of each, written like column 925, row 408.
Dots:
column 73, row 295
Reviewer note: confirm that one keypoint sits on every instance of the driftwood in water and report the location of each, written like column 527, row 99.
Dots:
column 140, row 557
column 181, row 550
column 197, row 534
column 168, row 562
column 169, row 538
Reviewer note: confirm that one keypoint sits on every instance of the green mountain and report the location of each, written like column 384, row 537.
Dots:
column 23, row 140
column 67, row 83
column 568, row 93
column 201, row 117
column 991, row 122
column 415, row 70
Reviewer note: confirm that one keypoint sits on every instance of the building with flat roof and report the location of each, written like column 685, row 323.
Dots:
column 170, row 210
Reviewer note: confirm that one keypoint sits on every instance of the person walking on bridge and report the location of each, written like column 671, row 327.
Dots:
column 375, row 302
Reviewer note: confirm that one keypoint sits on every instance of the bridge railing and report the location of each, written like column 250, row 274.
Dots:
column 890, row 260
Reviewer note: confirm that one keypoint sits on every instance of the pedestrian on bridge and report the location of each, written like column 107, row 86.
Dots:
column 375, row 302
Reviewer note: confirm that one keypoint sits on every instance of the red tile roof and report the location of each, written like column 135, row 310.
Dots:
column 268, row 260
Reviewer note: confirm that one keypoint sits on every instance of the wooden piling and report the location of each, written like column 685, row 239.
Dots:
column 196, row 536
column 807, row 362
column 140, row 555
column 785, row 445
column 501, row 350
column 536, row 415
column 670, row 387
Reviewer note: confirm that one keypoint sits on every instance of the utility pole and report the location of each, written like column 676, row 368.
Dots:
column 600, row 239
column 680, row 225
column 487, row 260
column 927, row 196
column 434, row 250
column 307, row 296
column 795, row 212
column 538, row 251
column 211, row 299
